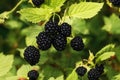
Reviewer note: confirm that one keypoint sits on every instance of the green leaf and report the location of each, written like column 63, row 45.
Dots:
column 12, row 78
column 5, row 63
column 116, row 77
column 105, row 56
column 21, row 52
column 23, row 70
column 72, row 76
column 112, row 24
column 49, row 71
column 3, row 16
column 17, row 24
column 107, row 48
column 55, row 5
column 35, row 15
column 31, row 34
column 84, row 9
column 78, row 25
column 51, row 78
column 117, row 51
column 60, row 78
column 91, row 56
column 110, row 72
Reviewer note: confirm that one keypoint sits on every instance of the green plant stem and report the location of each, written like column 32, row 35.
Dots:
column 16, row 6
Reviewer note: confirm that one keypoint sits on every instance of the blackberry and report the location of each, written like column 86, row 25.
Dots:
column 115, row 3
column 31, row 55
column 51, row 27
column 33, row 75
column 59, row 42
column 43, row 41
column 81, row 71
column 100, row 68
column 65, row 29
column 37, row 2
column 77, row 43
column 93, row 74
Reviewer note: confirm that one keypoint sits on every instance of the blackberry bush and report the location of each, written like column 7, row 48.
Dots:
column 33, row 75
column 77, row 43
column 37, row 2
column 115, row 2
column 43, row 41
column 65, row 29
column 81, row 71
column 59, row 42
column 31, row 55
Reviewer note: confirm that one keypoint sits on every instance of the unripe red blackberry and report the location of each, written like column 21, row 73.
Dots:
column 100, row 68
column 93, row 74
column 81, row 71
column 115, row 3
column 37, row 2
column 43, row 41
column 31, row 55
column 65, row 29
column 59, row 42
column 33, row 75
column 77, row 43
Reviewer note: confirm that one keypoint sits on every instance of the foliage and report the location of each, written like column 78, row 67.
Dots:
column 96, row 21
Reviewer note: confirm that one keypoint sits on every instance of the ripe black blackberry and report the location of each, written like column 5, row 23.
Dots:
column 100, row 68
column 81, row 71
column 77, row 43
column 115, row 3
column 33, row 75
column 37, row 2
column 43, row 41
column 51, row 28
column 65, row 29
column 93, row 74
column 59, row 42
column 31, row 55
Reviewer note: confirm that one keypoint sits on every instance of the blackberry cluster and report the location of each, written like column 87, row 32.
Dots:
column 96, row 72
column 77, row 43
column 31, row 55
column 37, row 2
column 54, row 34
column 43, row 41
column 33, row 75
column 81, row 71
column 115, row 3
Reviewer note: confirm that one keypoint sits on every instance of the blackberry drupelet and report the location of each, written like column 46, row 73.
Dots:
column 77, row 43
column 115, row 3
column 37, row 2
column 65, row 29
column 81, row 71
column 59, row 42
column 31, row 55
column 100, row 68
column 33, row 75
column 43, row 41
column 51, row 27
column 93, row 74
